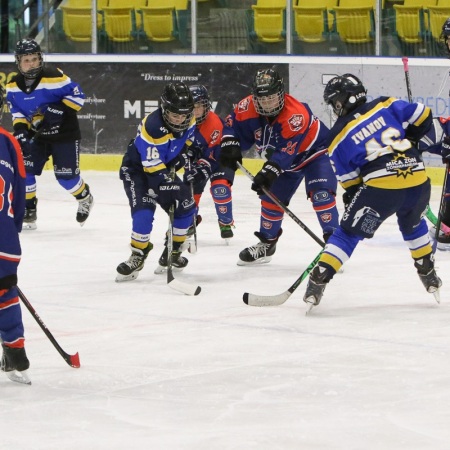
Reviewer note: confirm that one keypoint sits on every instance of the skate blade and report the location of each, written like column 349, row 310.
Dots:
column 29, row 226
column 227, row 241
column 254, row 263
column 437, row 295
column 309, row 308
column 19, row 377
column 162, row 269
column 120, row 278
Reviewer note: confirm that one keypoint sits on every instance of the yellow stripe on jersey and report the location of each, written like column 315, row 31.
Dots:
column 387, row 180
column 156, row 168
column 71, row 104
column 331, row 260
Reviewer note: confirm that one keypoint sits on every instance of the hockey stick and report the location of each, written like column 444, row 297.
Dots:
column 441, row 206
column 193, row 249
column 276, row 300
column 428, row 213
column 72, row 360
column 177, row 285
column 283, row 207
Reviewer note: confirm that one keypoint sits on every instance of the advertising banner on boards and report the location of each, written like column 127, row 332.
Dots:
column 120, row 95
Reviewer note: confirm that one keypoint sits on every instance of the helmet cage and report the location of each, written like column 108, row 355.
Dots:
column 444, row 38
column 29, row 47
column 177, row 99
column 201, row 97
column 344, row 93
column 268, row 93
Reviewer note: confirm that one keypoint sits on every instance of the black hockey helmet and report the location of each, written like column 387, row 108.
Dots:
column 177, row 99
column 268, row 83
column 344, row 93
column 444, row 38
column 29, row 47
column 201, row 96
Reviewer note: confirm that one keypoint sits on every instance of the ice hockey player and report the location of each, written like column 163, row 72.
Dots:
column 382, row 174
column 205, row 162
column 292, row 140
column 147, row 179
column 14, row 360
column 44, row 103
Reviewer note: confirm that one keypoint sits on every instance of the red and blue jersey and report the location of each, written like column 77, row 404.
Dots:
column 291, row 139
column 207, row 138
column 12, row 202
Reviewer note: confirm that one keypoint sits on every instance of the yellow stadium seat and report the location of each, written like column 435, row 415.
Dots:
column 420, row 3
column 118, row 24
column 158, row 23
column 409, row 24
column 77, row 23
column 268, row 23
column 354, row 25
column 272, row 3
column 437, row 16
column 311, row 23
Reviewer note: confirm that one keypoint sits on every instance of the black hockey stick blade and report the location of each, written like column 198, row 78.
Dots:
column 276, row 300
column 72, row 360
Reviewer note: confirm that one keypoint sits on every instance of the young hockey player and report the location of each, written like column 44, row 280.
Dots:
column 382, row 174
column 205, row 163
column 14, row 360
column 44, row 104
column 293, row 141
column 145, row 172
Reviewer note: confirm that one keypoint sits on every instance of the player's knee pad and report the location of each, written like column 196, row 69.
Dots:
column 322, row 199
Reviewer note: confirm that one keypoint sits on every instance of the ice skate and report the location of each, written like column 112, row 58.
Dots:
column 428, row 276
column 85, row 206
column 260, row 253
column 129, row 269
column 226, row 231
column 178, row 262
column 15, row 364
column 29, row 220
column 316, row 286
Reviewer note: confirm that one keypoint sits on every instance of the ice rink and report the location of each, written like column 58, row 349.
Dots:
column 369, row 368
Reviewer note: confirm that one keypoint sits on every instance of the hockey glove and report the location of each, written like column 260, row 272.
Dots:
column 348, row 195
column 183, row 158
column 445, row 150
column 24, row 141
column 230, row 152
column 53, row 119
column 169, row 193
column 199, row 172
column 265, row 177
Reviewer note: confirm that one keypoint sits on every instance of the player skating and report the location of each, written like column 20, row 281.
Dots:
column 14, row 360
column 382, row 173
column 145, row 172
column 292, row 140
column 44, row 103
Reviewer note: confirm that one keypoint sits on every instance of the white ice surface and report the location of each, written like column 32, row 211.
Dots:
column 367, row 369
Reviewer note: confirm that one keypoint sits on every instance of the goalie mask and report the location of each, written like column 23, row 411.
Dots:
column 177, row 106
column 344, row 93
column 444, row 38
column 32, row 65
column 202, row 105
column 268, row 92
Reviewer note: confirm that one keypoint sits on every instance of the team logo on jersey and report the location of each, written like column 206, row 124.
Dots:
column 258, row 134
column 244, row 104
column 296, row 122
column 223, row 209
column 214, row 136
column 266, row 225
column 326, row 217
column 403, row 165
